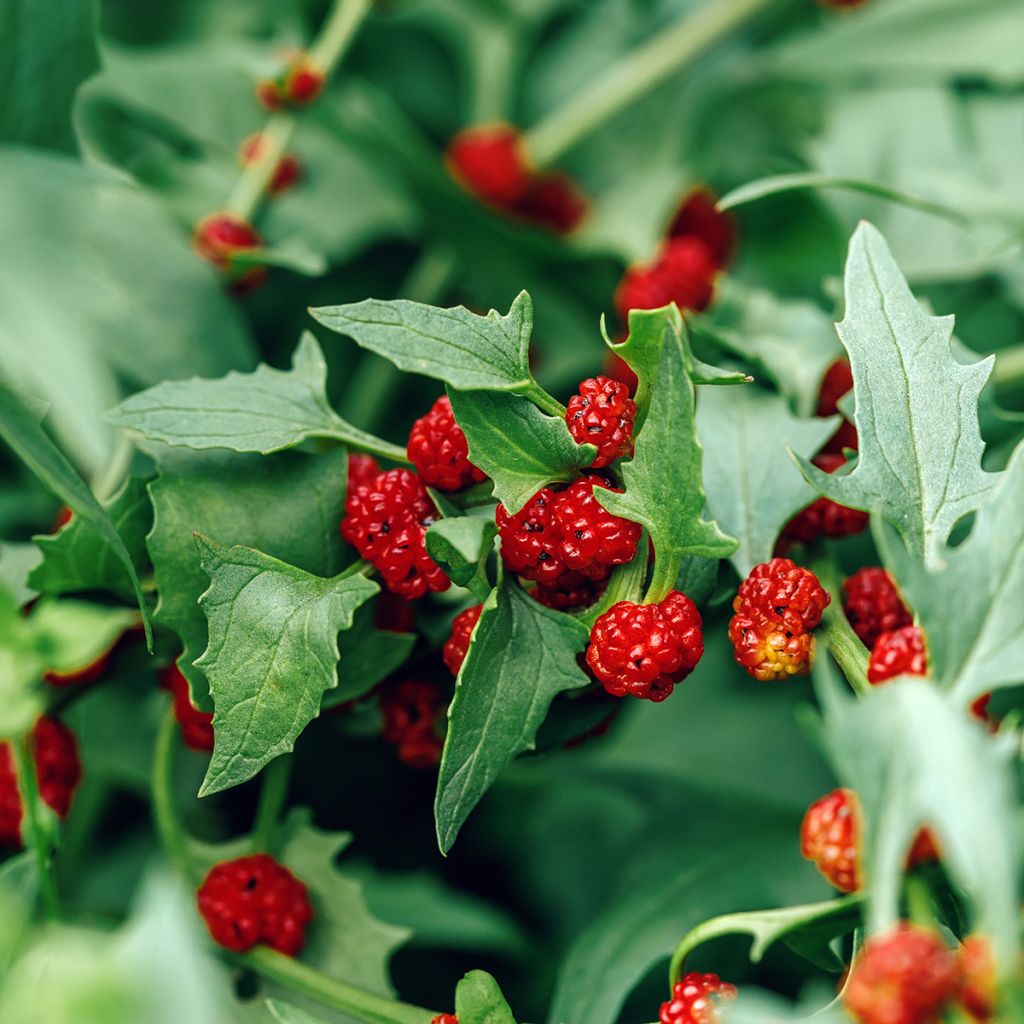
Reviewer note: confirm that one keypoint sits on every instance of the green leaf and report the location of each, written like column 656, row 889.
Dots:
column 17, row 563
column 273, row 652
column 753, row 489
column 368, row 656
column 37, row 90
column 461, row 547
column 519, row 447
column 915, row 408
column 287, row 505
column 478, row 1000
column 68, row 634
column 809, row 929
column 521, row 656
column 77, row 557
column 21, row 666
column 461, row 348
column 285, row 1013
column 664, row 491
column 264, row 411
column 22, row 430
column 972, row 606
column 915, row 757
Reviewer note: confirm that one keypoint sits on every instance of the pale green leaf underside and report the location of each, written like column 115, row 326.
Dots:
column 273, row 652
column 916, row 407
column 478, row 1000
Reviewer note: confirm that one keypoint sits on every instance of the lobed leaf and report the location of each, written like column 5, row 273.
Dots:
column 461, row 546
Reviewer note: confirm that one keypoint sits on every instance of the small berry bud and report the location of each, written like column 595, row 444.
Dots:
column 286, row 173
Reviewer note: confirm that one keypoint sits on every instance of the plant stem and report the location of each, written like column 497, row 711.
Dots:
column 843, row 643
column 647, row 66
column 663, row 579
column 165, row 816
column 337, row 32
column 272, row 799
column 367, row 1006
column 28, row 788
column 545, row 402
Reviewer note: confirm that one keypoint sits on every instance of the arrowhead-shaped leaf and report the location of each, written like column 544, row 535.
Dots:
column 478, row 1000
column 273, row 652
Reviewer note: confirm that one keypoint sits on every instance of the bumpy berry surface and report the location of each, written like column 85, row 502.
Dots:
column 602, row 414
column 873, row 605
column 445, row 1018
column 830, row 836
column 904, row 977
column 287, row 172
column 412, row 712
column 768, row 653
column 487, row 160
column 196, row 726
column 558, row 532
column 362, row 469
column 683, row 273
column 58, row 772
column 385, row 521
column 825, row 518
column 695, row 999
column 457, row 644
column 570, row 590
column 838, row 381
column 254, row 901
column 437, row 448
column 221, row 236
column 899, row 653
column 978, row 994
column 643, row 650
column 553, row 201
column 697, row 216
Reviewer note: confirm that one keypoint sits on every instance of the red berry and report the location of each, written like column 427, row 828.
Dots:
column 602, row 414
column 303, row 81
column 64, row 516
column 683, row 273
column 645, row 649
column 979, row 710
column 570, row 590
column 899, row 653
column 553, row 201
column 85, row 674
column 831, row 837
column 385, row 521
column 838, row 381
column 904, row 977
column 695, row 999
column 268, row 92
column 412, row 711
column 286, row 173
column 698, row 216
column 873, row 604
column 776, row 607
column 58, row 772
column 978, row 994
column 561, row 531
column 825, row 518
column 221, row 236
column 362, row 469
column 445, row 1018
column 457, row 644
column 488, row 161
column 617, row 368
column 253, row 901
column 437, row 448
column 196, row 726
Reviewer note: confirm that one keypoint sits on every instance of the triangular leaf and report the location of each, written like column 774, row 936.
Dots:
column 478, row 1000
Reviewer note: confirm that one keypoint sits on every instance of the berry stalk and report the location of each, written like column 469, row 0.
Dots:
column 274, row 792
column 165, row 817
column 843, row 643
column 637, row 73
column 33, row 829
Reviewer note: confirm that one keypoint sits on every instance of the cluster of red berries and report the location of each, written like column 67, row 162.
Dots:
column 298, row 85
column 457, row 645
column 910, row 976
column 776, row 608
column 832, row 837
column 413, row 712
column 898, row 653
column 490, row 162
column 873, row 605
column 196, row 726
column 438, row 449
column 601, row 413
column 286, row 173
column 695, row 999
column 837, row 382
column 58, row 772
column 252, row 901
column 823, row 517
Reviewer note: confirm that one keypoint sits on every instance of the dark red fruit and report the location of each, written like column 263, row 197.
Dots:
column 978, row 994
column 413, row 711
column 838, row 381
column 552, row 200
column 457, row 644
column 303, row 81
column 362, row 469
column 565, row 531
column 287, row 172
column 831, row 837
column 394, row 614
column 645, row 649
column 571, row 590
column 873, row 605
column 58, row 772
column 907, row 976
column 219, row 237
column 437, row 448
column 488, row 161
column 617, row 368
column 254, row 901
column 196, row 726
column 64, row 516
column 899, row 653
column 825, row 518
column 602, row 414
column 698, row 216
column 683, row 273
column 385, row 521
column 695, row 999
column 445, row 1018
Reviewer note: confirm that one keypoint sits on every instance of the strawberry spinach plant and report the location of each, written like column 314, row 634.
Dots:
column 499, row 519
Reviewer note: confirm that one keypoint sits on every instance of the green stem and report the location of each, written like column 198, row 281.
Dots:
column 28, row 788
column 545, row 402
column 165, row 815
column 843, row 643
column 356, row 1002
column 640, row 71
column 663, row 578
column 276, row 778
column 337, row 32
column 251, row 187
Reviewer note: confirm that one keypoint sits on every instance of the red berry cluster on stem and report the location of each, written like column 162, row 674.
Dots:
column 602, row 414
column 298, row 85
column 438, row 449
column 221, row 238
column 643, row 650
column 413, row 710
column 196, row 726
column 776, row 608
column 695, row 999
column 456, row 647
column 287, row 172
column 901, row 652
column 252, row 901
column 873, row 605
